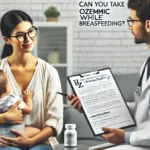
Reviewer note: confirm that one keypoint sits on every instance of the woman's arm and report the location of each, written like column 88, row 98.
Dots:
column 23, row 140
column 42, row 135
column 13, row 115
column 54, row 108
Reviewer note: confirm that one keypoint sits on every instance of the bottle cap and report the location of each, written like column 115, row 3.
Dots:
column 70, row 126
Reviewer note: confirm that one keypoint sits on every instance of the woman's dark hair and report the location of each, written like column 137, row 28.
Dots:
column 142, row 8
column 8, row 22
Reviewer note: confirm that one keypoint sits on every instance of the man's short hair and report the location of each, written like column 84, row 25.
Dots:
column 142, row 8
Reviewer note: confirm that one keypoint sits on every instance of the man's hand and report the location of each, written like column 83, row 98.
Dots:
column 13, row 115
column 75, row 102
column 112, row 135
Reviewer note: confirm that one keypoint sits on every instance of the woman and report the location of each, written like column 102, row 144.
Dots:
column 26, row 71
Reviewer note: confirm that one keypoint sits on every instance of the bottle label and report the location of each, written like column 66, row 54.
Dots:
column 70, row 140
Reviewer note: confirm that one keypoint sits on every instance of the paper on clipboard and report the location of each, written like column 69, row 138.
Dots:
column 102, row 146
column 101, row 99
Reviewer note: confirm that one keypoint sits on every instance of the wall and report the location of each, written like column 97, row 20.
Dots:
column 91, row 49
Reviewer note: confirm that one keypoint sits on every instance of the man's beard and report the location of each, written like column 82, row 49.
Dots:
column 143, row 36
column 139, row 41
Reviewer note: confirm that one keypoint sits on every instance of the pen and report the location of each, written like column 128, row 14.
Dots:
column 64, row 94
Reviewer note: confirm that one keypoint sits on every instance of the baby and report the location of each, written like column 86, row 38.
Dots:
column 7, row 100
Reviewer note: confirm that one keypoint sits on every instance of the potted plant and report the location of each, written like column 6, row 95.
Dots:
column 52, row 13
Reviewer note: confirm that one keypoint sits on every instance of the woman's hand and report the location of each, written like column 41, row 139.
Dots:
column 20, row 140
column 75, row 102
column 115, row 136
column 13, row 115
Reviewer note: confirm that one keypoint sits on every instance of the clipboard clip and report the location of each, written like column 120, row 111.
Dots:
column 84, row 74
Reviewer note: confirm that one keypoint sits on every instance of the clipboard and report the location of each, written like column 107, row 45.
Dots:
column 102, row 100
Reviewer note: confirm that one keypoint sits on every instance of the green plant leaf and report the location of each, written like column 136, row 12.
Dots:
column 52, row 12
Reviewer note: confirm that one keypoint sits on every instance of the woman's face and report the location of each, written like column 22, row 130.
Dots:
column 26, row 45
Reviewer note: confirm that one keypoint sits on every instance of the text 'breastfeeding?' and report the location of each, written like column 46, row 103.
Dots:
column 102, row 13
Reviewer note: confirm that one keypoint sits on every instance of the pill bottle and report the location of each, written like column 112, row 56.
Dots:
column 70, row 135
column 70, row 148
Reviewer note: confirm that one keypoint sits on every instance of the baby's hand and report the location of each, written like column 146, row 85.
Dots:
column 27, row 94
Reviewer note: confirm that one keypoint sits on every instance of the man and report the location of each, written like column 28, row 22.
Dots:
column 139, row 138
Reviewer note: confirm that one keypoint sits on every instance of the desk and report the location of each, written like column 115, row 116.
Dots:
column 79, row 147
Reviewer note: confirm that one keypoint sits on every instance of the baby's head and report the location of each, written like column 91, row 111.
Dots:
column 4, row 85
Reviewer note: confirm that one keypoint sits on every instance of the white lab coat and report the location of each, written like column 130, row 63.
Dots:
column 140, row 137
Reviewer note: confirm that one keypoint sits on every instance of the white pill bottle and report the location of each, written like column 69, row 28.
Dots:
column 70, row 135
